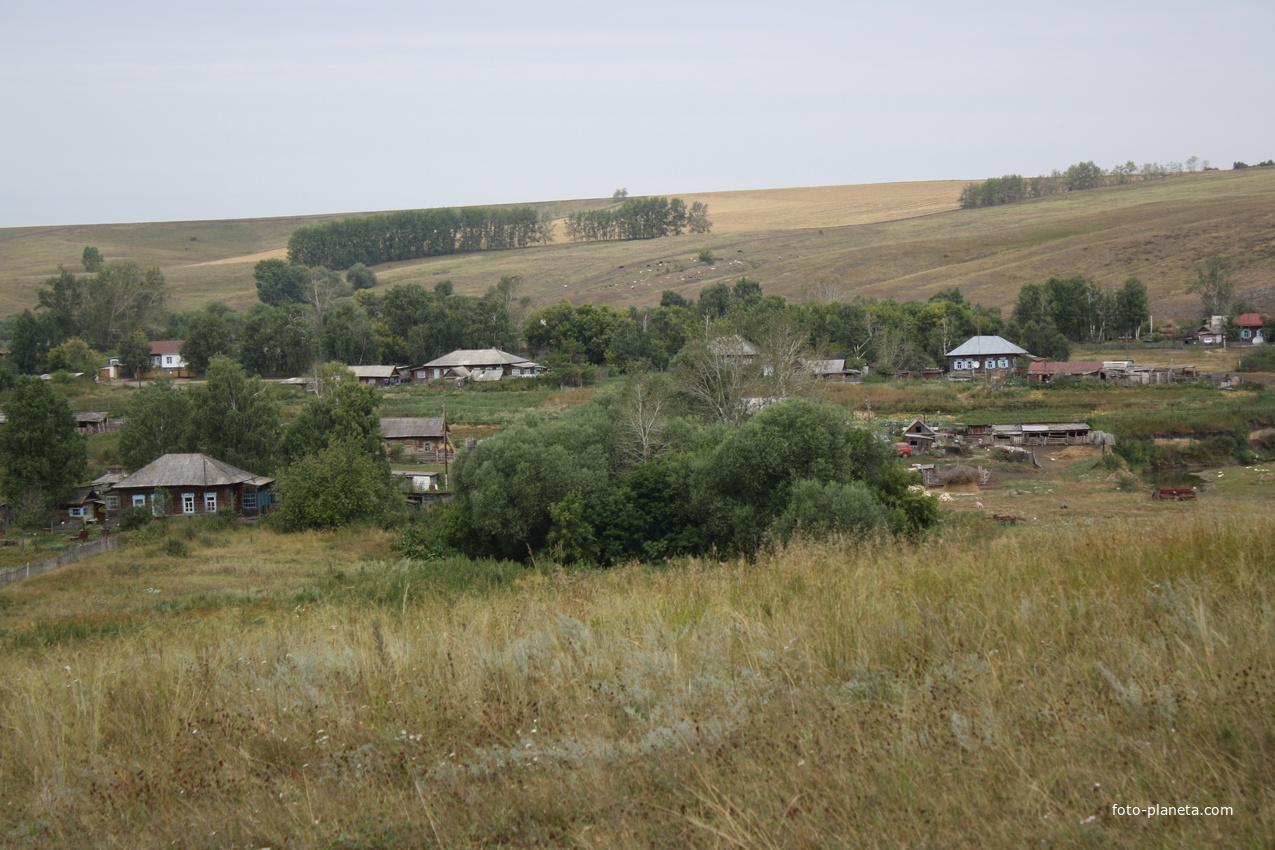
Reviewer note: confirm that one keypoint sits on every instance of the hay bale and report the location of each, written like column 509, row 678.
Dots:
column 961, row 474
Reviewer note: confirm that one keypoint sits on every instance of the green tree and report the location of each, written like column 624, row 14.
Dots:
column 276, row 341
column 343, row 409
column 279, row 282
column 209, row 332
column 158, row 423
column 33, row 337
column 235, row 419
column 134, row 352
column 74, row 355
column 42, row 454
column 337, row 485
column 359, row 276
column 1132, row 307
column 1214, row 284
column 91, row 259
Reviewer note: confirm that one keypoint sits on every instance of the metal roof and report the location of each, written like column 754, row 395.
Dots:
column 475, row 358
column 412, row 427
column 980, row 346
column 189, row 470
column 374, row 371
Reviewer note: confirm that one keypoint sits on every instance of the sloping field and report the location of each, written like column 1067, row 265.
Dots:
column 898, row 240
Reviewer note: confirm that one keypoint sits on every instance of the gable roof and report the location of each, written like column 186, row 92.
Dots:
column 410, row 427
column 731, row 346
column 377, row 371
column 165, row 346
column 979, row 346
column 189, row 470
column 471, row 357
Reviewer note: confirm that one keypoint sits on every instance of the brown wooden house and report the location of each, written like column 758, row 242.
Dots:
column 194, row 484
column 424, row 439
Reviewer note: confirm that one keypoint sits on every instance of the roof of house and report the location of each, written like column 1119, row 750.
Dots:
column 1252, row 320
column 978, row 346
column 1074, row 367
column 475, row 357
column 828, row 367
column 91, row 417
column 189, row 470
column 374, row 371
column 732, row 346
column 165, row 346
column 922, row 429
column 412, row 427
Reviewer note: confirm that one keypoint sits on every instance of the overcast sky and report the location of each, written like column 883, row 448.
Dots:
column 130, row 111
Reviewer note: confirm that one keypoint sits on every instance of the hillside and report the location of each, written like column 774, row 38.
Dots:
column 892, row 240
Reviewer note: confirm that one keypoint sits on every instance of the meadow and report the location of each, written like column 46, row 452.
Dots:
column 986, row 686
column 903, row 241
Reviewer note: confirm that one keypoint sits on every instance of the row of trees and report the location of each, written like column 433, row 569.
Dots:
column 576, row 485
column 1077, row 177
column 412, row 234
column 639, row 218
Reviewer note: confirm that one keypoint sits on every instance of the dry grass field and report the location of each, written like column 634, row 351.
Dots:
column 903, row 240
column 987, row 687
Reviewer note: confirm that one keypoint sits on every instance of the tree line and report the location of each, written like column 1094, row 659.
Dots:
column 1077, row 177
column 639, row 218
column 412, row 234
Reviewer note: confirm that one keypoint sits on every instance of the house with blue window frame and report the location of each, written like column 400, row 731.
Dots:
column 1251, row 325
column 190, row 484
column 986, row 356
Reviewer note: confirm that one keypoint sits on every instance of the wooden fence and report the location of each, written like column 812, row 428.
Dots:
column 97, row 547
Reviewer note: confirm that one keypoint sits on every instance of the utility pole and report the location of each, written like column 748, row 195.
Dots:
column 447, row 480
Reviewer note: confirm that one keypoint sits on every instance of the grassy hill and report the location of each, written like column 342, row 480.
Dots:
column 892, row 240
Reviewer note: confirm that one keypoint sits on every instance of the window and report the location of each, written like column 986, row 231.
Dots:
column 188, row 503
column 112, row 503
column 210, row 503
column 139, row 501
column 249, row 501
column 1003, row 362
column 991, row 363
column 1246, row 333
column 76, row 512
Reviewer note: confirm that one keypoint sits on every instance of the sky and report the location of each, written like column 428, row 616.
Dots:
column 169, row 111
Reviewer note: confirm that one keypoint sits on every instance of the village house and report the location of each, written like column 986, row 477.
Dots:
column 194, row 484
column 1211, row 332
column 985, row 356
column 734, row 347
column 1251, row 325
column 166, row 358
column 377, row 376
column 84, row 506
column 832, row 370
column 921, row 437
column 424, row 439
column 464, row 363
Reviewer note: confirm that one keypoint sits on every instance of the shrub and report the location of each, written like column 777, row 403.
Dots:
column 133, row 518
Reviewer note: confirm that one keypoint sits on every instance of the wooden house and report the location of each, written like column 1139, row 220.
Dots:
column 920, row 437
column 194, row 484
column 986, row 356
column 167, row 360
column 832, row 370
column 1251, row 325
column 424, row 439
column 377, row 376
column 84, row 506
column 463, row 362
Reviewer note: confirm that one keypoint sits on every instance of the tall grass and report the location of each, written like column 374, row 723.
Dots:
column 977, row 689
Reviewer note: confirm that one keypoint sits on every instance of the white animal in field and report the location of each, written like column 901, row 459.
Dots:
column 978, row 504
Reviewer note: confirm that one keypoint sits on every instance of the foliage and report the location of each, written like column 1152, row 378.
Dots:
column 343, row 410
column 105, row 307
column 235, row 419
column 134, row 352
column 209, row 332
column 91, row 259
column 335, row 486
column 74, row 355
column 420, row 325
column 279, row 282
column 411, row 234
column 158, row 417
column 821, row 510
column 636, row 218
column 132, row 518
column 1214, row 284
column 42, row 454
column 359, row 276
column 275, row 341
